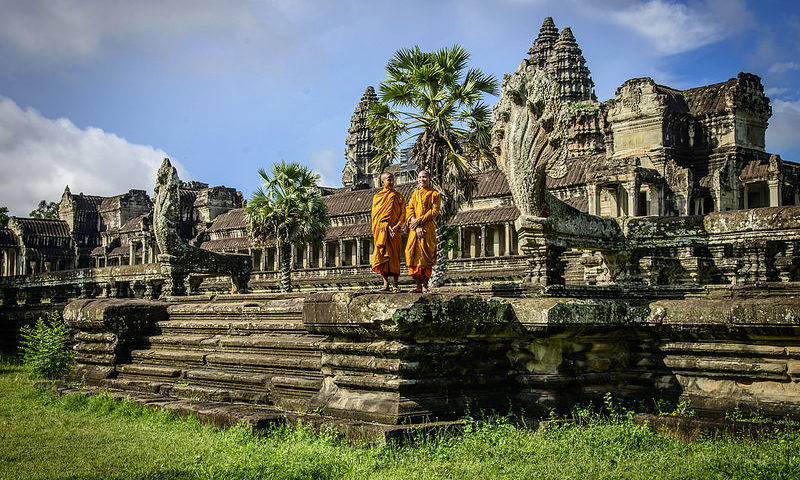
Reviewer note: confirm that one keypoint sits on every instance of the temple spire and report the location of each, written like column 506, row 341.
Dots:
column 358, row 145
column 543, row 45
column 567, row 67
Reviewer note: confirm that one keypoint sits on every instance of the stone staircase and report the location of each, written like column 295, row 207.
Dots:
column 253, row 350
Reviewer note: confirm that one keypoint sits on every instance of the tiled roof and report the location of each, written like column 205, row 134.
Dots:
column 348, row 231
column 485, row 216
column 120, row 251
column 231, row 243
column 98, row 251
column 43, row 227
column 578, row 170
column 109, row 203
column 187, row 197
column 50, row 252
column 135, row 223
column 675, row 99
column 754, row 170
column 230, row 220
column 7, row 238
column 579, row 203
column 87, row 202
column 710, row 99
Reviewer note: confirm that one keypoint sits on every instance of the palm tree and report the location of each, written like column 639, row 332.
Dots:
column 432, row 100
column 288, row 208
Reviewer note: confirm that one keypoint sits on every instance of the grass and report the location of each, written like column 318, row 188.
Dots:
column 47, row 437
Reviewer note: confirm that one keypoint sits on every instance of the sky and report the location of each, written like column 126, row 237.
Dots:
column 95, row 93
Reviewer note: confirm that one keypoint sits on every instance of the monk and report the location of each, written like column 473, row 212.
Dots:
column 421, row 213
column 388, row 215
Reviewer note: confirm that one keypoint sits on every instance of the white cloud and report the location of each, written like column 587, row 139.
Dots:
column 783, row 67
column 783, row 127
column 329, row 166
column 37, row 34
column 673, row 27
column 773, row 91
column 40, row 156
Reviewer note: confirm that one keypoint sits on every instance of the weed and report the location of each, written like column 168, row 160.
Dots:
column 45, row 346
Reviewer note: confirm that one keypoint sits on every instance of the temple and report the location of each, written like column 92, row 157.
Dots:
column 650, row 151
column 649, row 247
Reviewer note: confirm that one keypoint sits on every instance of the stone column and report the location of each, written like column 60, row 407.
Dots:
column 340, row 254
column 309, row 254
column 633, row 187
column 358, row 251
column 132, row 253
column 483, row 241
column 593, row 197
column 508, row 239
column 145, row 251
column 460, row 253
column 293, row 256
column 775, row 199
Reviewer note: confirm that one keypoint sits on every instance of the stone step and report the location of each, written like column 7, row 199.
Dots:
column 285, row 343
column 217, row 326
column 149, row 370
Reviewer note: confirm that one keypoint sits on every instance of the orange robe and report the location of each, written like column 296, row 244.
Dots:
column 421, row 251
column 388, row 209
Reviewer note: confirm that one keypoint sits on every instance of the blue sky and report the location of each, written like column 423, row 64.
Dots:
column 94, row 93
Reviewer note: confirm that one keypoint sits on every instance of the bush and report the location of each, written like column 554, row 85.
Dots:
column 45, row 346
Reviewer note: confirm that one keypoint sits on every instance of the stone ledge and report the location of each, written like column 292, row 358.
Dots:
column 227, row 414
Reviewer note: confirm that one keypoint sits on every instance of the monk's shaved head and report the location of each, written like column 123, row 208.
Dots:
column 386, row 175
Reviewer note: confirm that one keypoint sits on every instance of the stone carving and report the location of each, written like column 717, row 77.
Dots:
column 178, row 259
column 530, row 136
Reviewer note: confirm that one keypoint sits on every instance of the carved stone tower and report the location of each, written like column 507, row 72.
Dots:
column 544, row 43
column 562, row 59
column 358, row 151
column 568, row 68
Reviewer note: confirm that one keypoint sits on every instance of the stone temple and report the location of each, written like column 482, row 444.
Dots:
column 667, row 264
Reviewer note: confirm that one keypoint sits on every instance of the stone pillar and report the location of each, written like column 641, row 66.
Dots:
column 325, row 255
column 483, row 241
column 593, row 197
column 633, row 187
column 507, row 245
column 460, row 253
column 358, row 251
column 293, row 256
column 132, row 253
column 145, row 251
column 309, row 254
column 340, row 254
column 775, row 199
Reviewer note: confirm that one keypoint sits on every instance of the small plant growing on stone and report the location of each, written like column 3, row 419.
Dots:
column 45, row 346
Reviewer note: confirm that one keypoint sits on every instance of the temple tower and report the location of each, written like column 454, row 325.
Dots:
column 567, row 67
column 544, row 43
column 359, row 151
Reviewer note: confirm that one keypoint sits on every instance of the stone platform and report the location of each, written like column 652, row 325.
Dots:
column 404, row 359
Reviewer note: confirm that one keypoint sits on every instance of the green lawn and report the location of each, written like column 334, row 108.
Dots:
column 42, row 436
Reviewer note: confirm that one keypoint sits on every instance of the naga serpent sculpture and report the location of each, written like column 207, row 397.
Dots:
column 179, row 259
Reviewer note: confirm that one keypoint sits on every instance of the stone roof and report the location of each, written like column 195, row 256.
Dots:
column 229, row 243
column 7, row 238
column 135, row 224
column 230, row 220
column 754, row 170
column 109, row 203
column 187, row 197
column 485, row 216
column 578, row 170
column 348, row 231
column 98, row 251
column 50, row 252
column 43, row 227
column 674, row 99
column 710, row 99
column 87, row 202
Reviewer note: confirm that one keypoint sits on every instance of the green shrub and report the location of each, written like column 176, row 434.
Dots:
column 45, row 346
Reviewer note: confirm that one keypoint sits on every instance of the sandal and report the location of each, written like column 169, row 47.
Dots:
column 414, row 290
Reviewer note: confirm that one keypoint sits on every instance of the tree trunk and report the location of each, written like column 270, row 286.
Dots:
column 439, row 274
column 286, row 267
